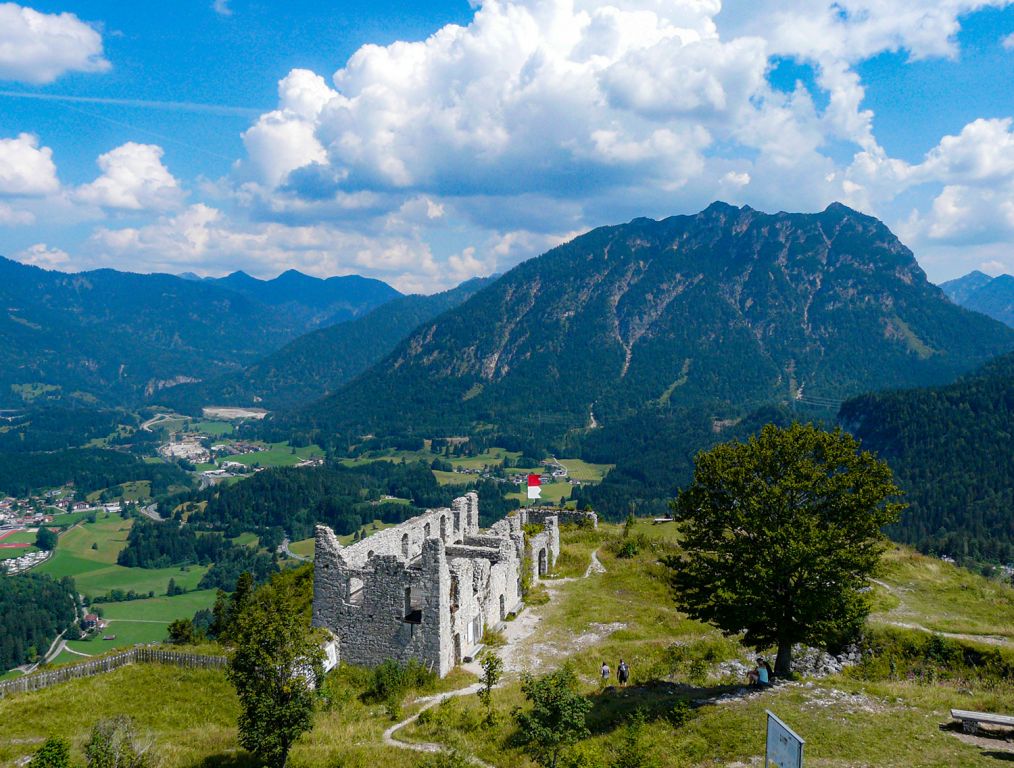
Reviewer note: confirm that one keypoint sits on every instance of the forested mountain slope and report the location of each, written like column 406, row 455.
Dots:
column 722, row 312
column 112, row 336
column 952, row 450
column 313, row 365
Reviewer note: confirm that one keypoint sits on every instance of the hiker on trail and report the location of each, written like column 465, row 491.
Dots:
column 605, row 673
column 623, row 672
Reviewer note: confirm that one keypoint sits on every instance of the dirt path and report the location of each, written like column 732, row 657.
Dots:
column 902, row 609
column 516, row 659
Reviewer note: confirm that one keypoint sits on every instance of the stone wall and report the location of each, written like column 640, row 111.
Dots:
column 425, row 589
column 539, row 514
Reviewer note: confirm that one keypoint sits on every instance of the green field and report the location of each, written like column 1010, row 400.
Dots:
column 67, row 519
column 551, row 493
column 214, row 428
column 451, row 478
column 278, row 455
column 586, row 471
column 247, row 539
column 140, row 621
column 21, row 537
column 95, row 571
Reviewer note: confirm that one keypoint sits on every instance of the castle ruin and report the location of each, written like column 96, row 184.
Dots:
column 428, row 588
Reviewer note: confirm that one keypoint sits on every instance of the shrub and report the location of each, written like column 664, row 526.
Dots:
column 54, row 753
column 115, row 743
column 681, row 713
column 391, row 681
column 493, row 638
column 630, row 752
column 628, row 549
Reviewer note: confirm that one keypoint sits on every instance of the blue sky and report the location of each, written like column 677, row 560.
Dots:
column 426, row 143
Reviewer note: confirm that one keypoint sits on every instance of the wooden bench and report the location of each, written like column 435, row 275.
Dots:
column 970, row 721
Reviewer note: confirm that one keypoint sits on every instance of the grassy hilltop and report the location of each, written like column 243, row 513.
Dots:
column 886, row 711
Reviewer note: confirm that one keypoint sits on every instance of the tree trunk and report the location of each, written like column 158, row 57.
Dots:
column 783, row 662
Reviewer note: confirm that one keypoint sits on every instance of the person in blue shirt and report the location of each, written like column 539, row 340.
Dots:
column 760, row 675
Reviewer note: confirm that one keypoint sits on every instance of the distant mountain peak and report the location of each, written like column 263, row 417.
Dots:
column 993, row 296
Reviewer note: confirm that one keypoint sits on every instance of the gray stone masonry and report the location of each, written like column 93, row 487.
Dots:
column 428, row 588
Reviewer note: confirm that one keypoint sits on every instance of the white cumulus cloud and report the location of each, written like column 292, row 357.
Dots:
column 133, row 178
column 42, row 255
column 39, row 47
column 26, row 169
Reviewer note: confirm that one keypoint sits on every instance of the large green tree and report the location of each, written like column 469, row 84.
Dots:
column 276, row 667
column 780, row 534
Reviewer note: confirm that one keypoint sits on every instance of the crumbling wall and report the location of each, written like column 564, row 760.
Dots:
column 425, row 589
column 389, row 609
column 543, row 548
column 539, row 515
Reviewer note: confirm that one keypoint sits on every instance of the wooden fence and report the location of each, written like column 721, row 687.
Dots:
column 138, row 655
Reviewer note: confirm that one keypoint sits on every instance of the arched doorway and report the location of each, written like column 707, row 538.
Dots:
column 543, row 562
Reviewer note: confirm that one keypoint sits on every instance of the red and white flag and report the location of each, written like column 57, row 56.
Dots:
column 535, row 486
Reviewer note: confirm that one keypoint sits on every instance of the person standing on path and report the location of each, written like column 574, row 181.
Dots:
column 604, row 672
column 623, row 672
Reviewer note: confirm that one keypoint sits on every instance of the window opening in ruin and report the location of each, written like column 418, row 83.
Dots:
column 369, row 554
column 443, row 528
column 356, row 592
column 543, row 562
column 457, row 649
column 426, row 531
column 413, row 605
column 503, row 607
column 455, row 594
column 475, row 630
column 457, row 520
column 468, row 519
column 404, row 545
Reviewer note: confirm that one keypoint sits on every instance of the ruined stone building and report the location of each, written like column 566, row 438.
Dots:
column 427, row 589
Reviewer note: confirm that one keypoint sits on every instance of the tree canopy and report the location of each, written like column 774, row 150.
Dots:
column 276, row 666
column 780, row 535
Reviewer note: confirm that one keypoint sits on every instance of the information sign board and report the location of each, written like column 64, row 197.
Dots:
column 784, row 746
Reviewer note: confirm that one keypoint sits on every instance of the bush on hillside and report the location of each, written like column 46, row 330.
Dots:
column 116, row 743
column 54, row 753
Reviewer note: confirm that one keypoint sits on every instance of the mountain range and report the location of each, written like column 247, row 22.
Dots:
column 992, row 296
column 110, row 337
column 314, row 301
column 721, row 312
column 317, row 363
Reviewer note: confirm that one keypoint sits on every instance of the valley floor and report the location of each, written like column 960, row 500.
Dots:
column 618, row 609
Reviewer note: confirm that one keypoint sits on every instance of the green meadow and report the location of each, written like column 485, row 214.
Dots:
column 88, row 553
column 278, row 455
column 696, row 711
